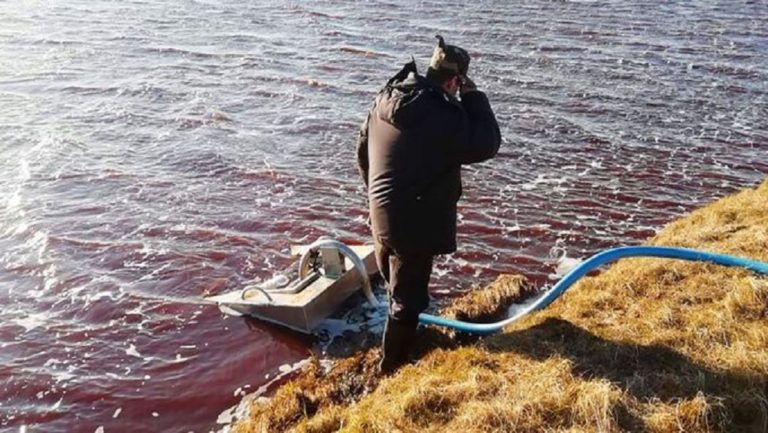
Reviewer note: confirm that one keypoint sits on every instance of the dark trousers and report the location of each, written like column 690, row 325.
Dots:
column 407, row 278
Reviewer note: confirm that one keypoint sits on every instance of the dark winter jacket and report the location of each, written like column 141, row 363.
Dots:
column 410, row 151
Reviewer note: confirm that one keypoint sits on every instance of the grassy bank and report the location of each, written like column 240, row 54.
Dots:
column 650, row 345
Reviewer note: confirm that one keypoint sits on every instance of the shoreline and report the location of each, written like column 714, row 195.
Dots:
column 691, row 338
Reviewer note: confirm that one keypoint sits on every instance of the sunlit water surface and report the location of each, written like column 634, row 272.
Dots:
column 153, row 152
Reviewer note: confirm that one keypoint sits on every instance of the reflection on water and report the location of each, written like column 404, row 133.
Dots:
column 155, row 152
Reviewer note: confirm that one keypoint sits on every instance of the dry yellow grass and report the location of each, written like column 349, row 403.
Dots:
column 490, row 303
column 650, row 345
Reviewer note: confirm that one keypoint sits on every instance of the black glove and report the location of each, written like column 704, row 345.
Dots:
column 467, row 85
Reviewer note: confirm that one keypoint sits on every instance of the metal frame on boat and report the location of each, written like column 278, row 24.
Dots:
column 329, row 272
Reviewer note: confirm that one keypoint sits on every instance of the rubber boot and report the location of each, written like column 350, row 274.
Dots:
column 397, row 342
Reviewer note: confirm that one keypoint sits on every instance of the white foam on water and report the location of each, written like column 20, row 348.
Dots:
column 49, row 274
column 516, row 309
column 31, row 321
column 458, row 261
column 241, row 410
column 63, row 376
column 117, row 412
column 241, row 391
column 327, row 364
column 21, row 228
column 542, row 179
column 39, row 243
column 228, row 416
column 14, row 202
column 564, row 263
column 364, row 318
column 179, row 358
column 439, row 271
column 333, row 328
column 138, row 310
column 132, row 351
column 287, row 368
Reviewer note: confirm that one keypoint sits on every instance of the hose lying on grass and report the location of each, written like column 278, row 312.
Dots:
column 593, row 262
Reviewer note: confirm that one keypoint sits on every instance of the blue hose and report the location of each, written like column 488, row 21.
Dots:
column 588, row 265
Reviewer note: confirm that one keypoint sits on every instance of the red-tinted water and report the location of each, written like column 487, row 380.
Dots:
column 153, row 153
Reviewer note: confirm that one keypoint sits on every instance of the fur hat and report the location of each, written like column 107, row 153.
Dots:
column 449, row 58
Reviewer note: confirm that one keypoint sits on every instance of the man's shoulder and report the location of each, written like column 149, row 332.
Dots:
column 413, row 105
column 418, row 91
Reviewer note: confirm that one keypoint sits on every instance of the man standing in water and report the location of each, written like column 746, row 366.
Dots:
column 410, row 151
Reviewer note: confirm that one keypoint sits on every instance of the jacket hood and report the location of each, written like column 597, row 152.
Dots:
column 405, row 98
